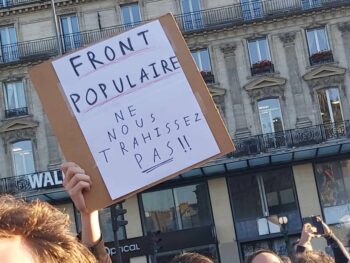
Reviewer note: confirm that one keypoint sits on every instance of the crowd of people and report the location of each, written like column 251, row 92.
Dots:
column 36, row 232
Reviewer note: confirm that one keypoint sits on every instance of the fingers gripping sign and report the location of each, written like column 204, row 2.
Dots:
column 76, row 182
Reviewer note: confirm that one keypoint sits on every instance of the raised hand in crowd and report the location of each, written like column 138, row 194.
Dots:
column 77, row 182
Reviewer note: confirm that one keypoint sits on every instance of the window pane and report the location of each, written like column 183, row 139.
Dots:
column 205, row 60
column 22, row 156
column 159, row 211
column 192, row 206
column 65, row 27
column 195, row 5
column 270, row 115
column 106, row 224
column 334, row 99
column 253, row 52
column 75, row 25
column 311, row 39
column 322, row 39
column 136, row 14
column 325, row 111
column 15, row 97
column 131, row 14
column 186, row 6
column 264, row 49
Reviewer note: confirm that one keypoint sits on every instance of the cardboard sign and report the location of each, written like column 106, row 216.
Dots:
column 135, row 106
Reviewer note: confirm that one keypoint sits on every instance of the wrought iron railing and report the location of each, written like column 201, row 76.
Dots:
column 12, row 3
column 260, row 68
column 249, row 12
column 9, row 113
column 33, row 182
column 202, row 20
column 308, row 136
column 322, row 57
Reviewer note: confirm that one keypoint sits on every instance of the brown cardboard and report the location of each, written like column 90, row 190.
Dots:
column 70, row 136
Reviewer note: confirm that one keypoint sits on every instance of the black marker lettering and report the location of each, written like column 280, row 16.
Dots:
column 91, row 55
column 71, row 60
column 75, row 98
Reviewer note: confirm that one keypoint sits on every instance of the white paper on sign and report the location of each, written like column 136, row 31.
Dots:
column 135, row 108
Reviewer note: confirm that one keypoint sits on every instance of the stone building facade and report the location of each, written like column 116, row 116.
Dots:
column 278, row 71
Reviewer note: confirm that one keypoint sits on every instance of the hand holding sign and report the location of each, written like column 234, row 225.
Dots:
column 139, row 115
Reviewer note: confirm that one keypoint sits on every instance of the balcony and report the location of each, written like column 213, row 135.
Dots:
column 321, row 57
column 208, row 77
column 10, row 113
column 239, row 14
column 262, row 67
column 13, row 3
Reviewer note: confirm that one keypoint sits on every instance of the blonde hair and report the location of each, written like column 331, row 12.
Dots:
column 43, row 229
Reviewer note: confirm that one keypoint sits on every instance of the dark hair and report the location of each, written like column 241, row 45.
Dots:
column 43, row 229
column 314, row 256
column 258, row 252
column 191, row 258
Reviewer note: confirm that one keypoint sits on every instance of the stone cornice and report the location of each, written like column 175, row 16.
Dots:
column 323, row 72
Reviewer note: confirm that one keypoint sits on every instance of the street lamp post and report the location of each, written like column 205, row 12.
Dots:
column 283, row 220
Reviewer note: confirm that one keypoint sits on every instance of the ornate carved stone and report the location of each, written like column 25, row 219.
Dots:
column 324, row 71
column 287, row 38
column 344, row 28
column 228, row 49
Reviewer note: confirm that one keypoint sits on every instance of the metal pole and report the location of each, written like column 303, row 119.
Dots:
column 57, row 29
column 115, row 232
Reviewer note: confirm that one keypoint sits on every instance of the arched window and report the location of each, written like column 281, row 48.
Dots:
column 22, row 157
column 270, row 115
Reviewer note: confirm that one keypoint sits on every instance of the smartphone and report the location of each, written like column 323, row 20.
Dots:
column 313, row 220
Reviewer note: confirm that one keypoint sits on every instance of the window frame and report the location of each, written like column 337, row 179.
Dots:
column 198, row 51
column 6, row 96
column 314, row 30
column 257, row 40
column 280, row 111
column 13, row 157
column 326, row 90
column 129, row 6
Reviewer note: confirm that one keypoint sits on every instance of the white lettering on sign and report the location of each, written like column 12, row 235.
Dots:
column 45, row 179
column 123, row 249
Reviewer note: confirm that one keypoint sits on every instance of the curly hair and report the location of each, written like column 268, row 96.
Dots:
column 312, row 257
column 191, row 258
column 43, row 229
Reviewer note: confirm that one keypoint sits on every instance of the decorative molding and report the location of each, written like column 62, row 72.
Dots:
column 288, row 38
column 67, row 10
column 344, row 28
column 214, row 91
column 323, row 72
column 17, row 125
column 255, row 36
column 228, row 49
column 263, row 82
column 265, row 87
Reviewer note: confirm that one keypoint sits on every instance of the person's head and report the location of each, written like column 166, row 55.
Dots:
column 286, row 259
column 37, row 232
column 263, row 256
column 191, row 258
column 312, row 257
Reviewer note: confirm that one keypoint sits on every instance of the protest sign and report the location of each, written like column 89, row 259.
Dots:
column 134, row 108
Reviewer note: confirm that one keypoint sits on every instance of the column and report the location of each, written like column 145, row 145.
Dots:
column 295, row 81
column 344, row 28
column 220, row 203
column 234, row 91
column 52, row 146
column 309, row 204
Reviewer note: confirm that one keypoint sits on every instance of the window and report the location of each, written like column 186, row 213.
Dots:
column 270, row 115
column 318, row 44
column 22, row 157
column 131, row 14
column 333, row 183
column 15, row 101
column 71, row 32
column 6, row 3
column 251, row 9
column 192, row 17
column 9, row 45
column 175, row 209
column 258, row 200
column 259, row 55
column 307, row 4
column 203, row 63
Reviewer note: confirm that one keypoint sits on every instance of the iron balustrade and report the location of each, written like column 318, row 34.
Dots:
column 321, row 57
column 9, row 113
column 196, row 21
column 13, row 3
column 299, row 137
column 262, row 69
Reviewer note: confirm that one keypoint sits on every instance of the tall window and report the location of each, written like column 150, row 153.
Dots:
column 131, row 14
column 177, row 208
column 9, row 45
column 330, row 105
column 317, row 40
column 333, row 183
column 71, row 32
column 270, row 115
column 22, row 157
column 203, row 63
column 251, row 9
column 192, row 17
column 259, row 50
column 307, row 4
column 15, row 102
column 258, row 200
